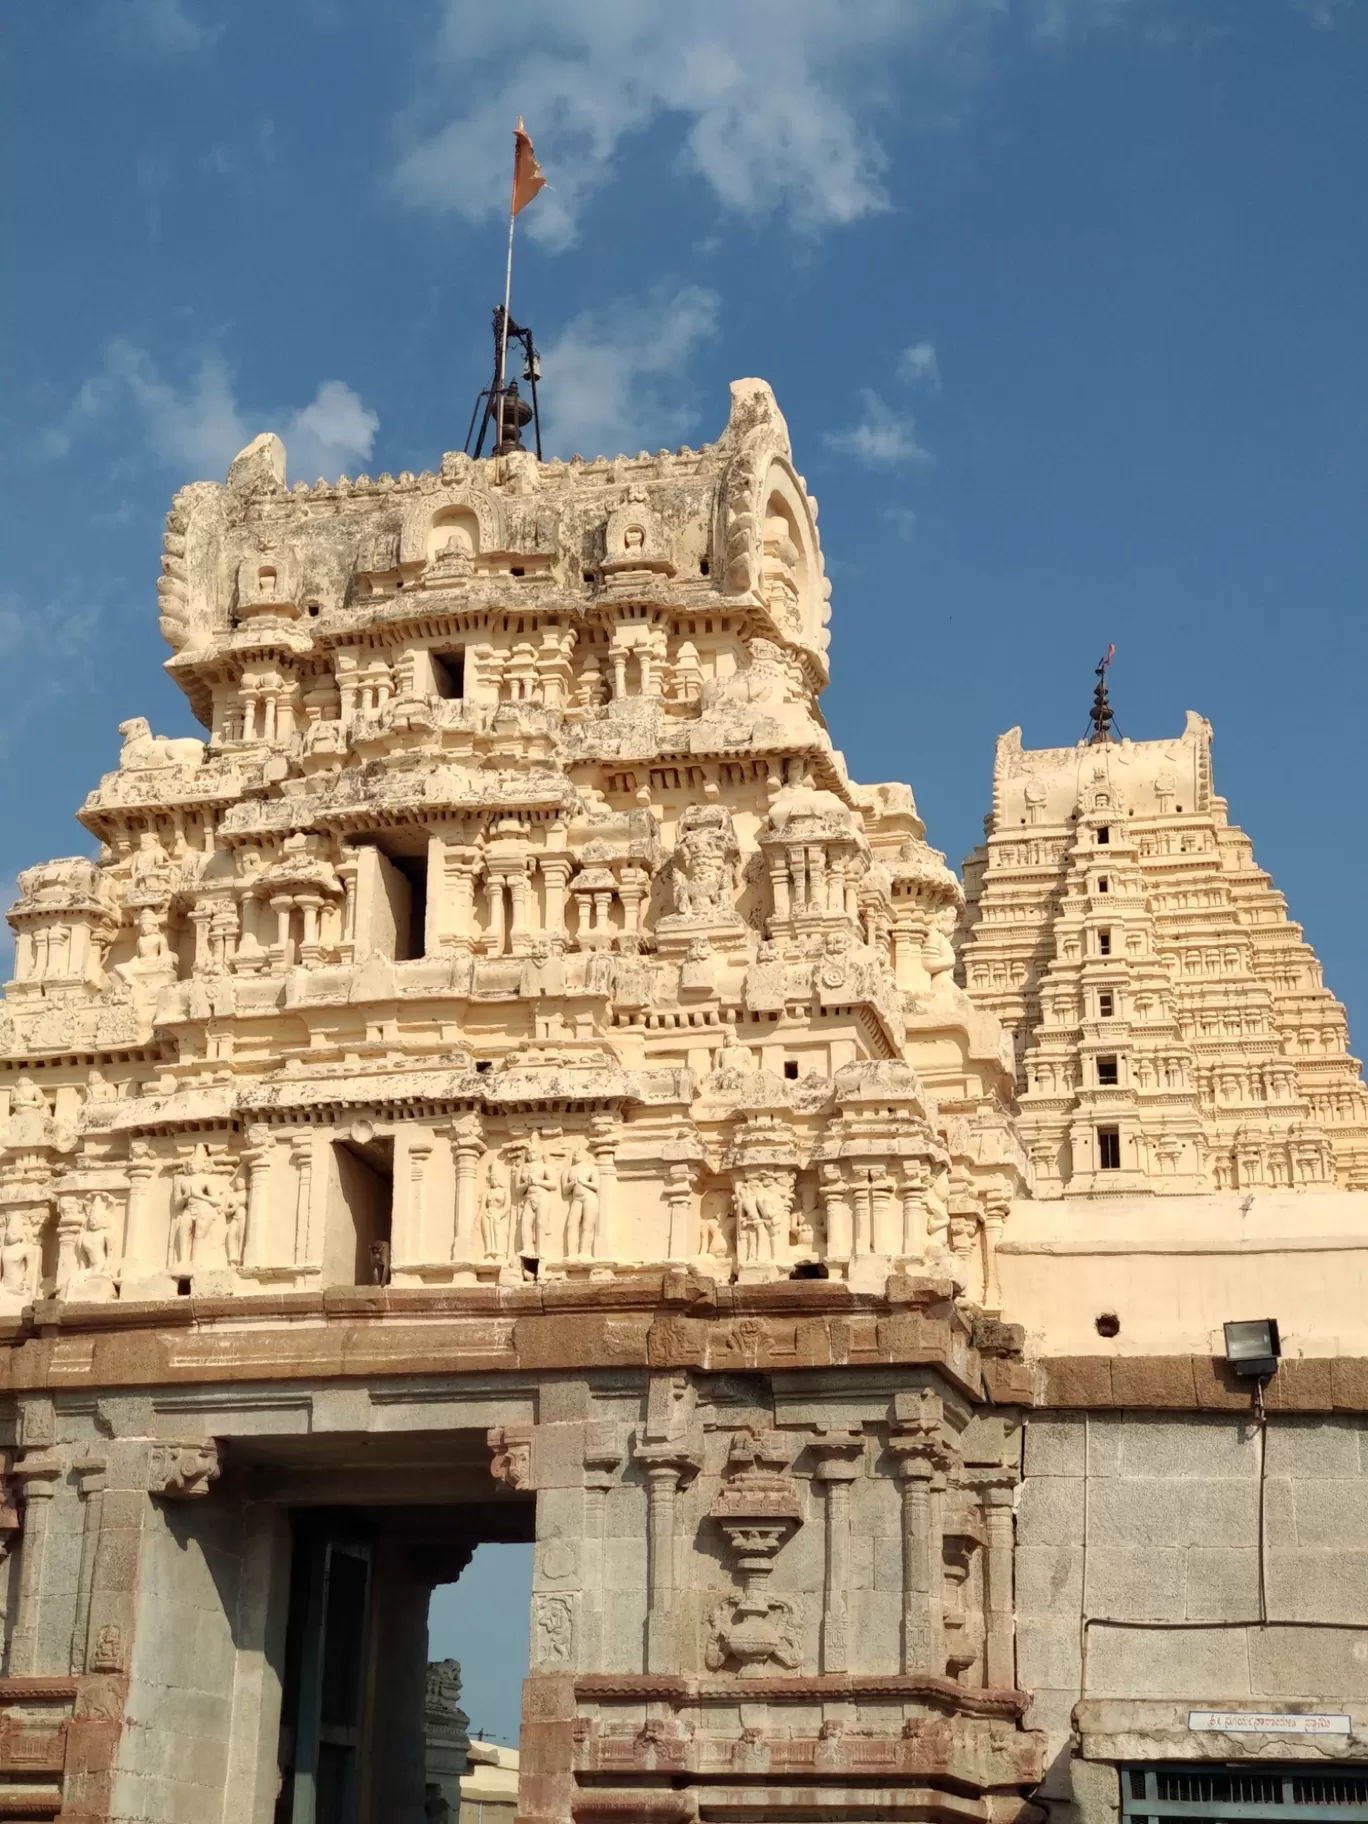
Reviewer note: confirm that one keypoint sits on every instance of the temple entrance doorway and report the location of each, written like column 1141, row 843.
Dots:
column 478, row 1650
column 351, row 1645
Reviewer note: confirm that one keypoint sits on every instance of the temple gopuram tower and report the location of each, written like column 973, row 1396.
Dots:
column 1171, row 1028
column 506, row 1082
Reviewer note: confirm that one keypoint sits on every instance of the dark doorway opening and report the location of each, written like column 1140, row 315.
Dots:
column 356, row 1695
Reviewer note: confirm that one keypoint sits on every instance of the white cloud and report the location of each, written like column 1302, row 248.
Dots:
column 198, row 428
column 918, row 367
column 775, row 104
column 903, row 521
column 618, row 377
column 774, row 101
column 166, row 26
column 880, row 438
column 333, row 431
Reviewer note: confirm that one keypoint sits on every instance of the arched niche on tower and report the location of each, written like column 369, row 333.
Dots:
column 434, row 521
column 768, row 535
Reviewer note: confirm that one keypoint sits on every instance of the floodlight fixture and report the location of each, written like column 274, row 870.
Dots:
column 1252, row 1347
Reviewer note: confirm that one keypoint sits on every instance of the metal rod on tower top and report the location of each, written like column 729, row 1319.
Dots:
column 503, row 327
column 527, row 181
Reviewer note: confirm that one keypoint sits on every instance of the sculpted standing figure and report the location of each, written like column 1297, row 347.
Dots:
column 19, row 1260
column 750, row 1232
column 199, row 1228
column 579, row 1184
column 235, row 1223
column 538, row 1184
column 775, row 1212
column 494, row 1219
column 92, row 1244
column 702, row 875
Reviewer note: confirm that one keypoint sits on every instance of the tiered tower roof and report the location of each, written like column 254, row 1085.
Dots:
column 515, row 917
column 1171, row 1028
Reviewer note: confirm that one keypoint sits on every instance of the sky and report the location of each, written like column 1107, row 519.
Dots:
column 1064, row 301
column 481, row 1621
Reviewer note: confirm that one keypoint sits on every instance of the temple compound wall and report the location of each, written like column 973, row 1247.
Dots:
column 507, row 1083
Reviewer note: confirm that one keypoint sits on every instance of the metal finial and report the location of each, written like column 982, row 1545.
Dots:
column 1100, row 718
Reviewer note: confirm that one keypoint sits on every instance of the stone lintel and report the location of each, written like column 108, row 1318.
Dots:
column 787, row 1325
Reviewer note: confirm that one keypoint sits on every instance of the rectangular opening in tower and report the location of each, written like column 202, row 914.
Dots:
column 448, row 674
column 359, row 1231
column 1109, row 1149
column 391, row 897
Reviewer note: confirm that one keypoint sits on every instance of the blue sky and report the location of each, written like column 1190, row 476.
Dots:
column 1063, row 299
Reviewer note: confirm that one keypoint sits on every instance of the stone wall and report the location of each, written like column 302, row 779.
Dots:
column 1160, row 1535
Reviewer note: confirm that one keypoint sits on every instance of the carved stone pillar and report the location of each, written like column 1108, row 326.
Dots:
column 467, row 1146
column 668, row 1466
column 840, row 1231
column 310, row 950
column 603, row 1141
column 915, row 1442
column 91, row 1474
column 410, row 1212
column 671, row 1454
column 301, row 1158
column 556, row 871
column 678, row 1194
column 520, row 895
column 994, row 1220
column 258, row 1159
column 201, row 917
column 633, row 886
column 494, row 936
column 997, row 1493
column 37, row 1473
column 885, row 1215
column 779, row 885
column 915, row 1179
column 282, row 904
column 141, row 1253
column 346, row 873
column 840, row 1459
column 603, row 1458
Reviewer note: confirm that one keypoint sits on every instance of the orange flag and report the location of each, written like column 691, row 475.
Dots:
column 527, row 176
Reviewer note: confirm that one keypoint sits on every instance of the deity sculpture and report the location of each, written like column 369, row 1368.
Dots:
column 20, row 1261
column 938, row 953
column 580, row 1186
column 494, row 1219
column 93, row 1242
column 536, row 1183
column 702, row 872
column 200, row 1203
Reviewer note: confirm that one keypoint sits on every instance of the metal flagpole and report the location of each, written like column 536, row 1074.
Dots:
column 508, row 294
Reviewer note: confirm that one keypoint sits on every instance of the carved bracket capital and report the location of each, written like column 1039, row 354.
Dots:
column 183, row 1470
